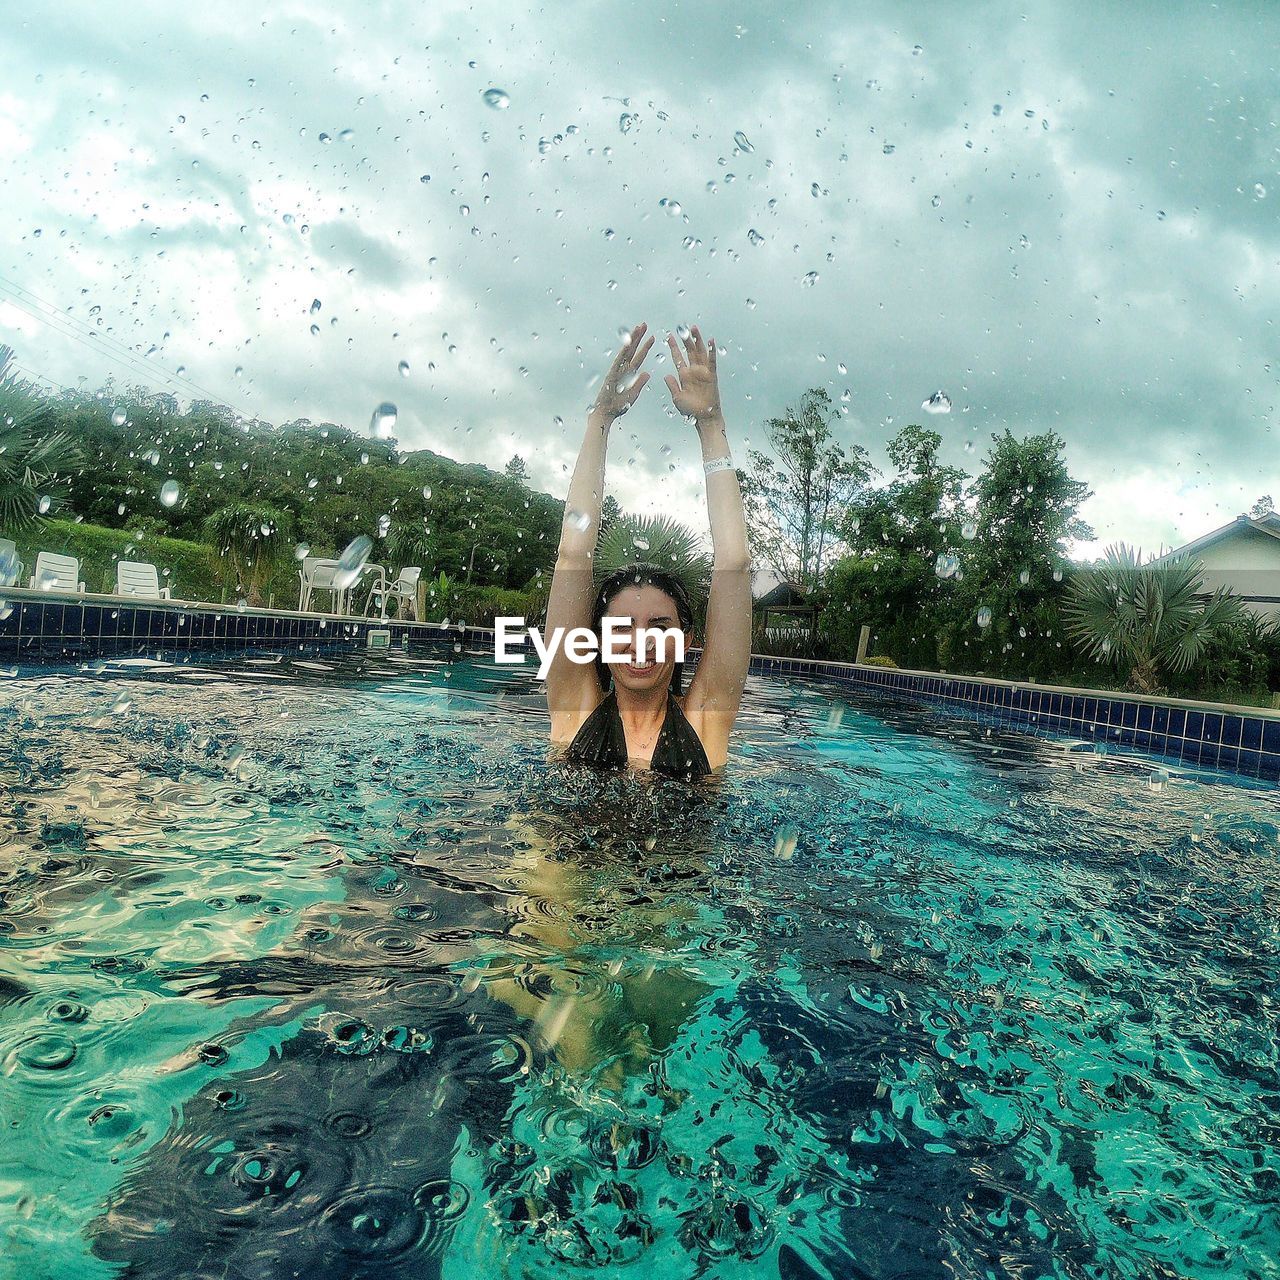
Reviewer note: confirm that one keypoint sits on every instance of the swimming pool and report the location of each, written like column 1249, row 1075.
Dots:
column 317, row 967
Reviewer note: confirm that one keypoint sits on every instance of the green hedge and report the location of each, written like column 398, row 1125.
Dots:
column 192, row 570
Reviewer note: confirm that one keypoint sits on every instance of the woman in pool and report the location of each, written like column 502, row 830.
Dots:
column 643, row 720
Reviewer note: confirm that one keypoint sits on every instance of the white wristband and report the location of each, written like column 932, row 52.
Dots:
column 718, row 464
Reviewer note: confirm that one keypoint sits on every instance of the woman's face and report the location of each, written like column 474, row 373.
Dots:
column 644, row 607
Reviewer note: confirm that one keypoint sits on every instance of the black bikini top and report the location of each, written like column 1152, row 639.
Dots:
column 602, row 741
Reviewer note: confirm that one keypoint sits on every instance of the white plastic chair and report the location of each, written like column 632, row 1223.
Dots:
column 10, row 566
column 318, row 575
column 134, row 578
column 404, row 591
column 56, row 573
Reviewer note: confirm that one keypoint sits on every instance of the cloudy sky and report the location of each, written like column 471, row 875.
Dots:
column 1063, row 216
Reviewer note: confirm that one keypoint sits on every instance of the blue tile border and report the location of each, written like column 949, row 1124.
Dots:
column 39, row 628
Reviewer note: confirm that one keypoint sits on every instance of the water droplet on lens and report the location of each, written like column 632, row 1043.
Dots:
column 169, row 493
column 939, row 402
column 1259, row 190
column 740, row 139
column 755, row 237
column 1025, row 577
column 810, row 279
column 118, row 418
column 44, row 504
column 984, row 617
column 302, row 551
column 946, row 564
column 383, row 422
column 351, row 561
column 969, row 530
column 403, row 366
column 496, row 99
column 672, row 207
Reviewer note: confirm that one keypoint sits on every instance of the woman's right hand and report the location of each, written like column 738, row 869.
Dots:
column 624, row 381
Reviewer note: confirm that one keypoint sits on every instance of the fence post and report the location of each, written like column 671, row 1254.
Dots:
column 420, row 601
column 864, row 640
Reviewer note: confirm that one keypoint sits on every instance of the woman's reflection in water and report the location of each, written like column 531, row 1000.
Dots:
column 610, row 911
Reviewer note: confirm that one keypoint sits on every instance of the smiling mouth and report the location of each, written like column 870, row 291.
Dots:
column 639, row 668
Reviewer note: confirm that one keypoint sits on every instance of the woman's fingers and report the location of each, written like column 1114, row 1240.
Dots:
column 711, row 354
column 673, row 385
column 628, row 349
column 636, row 387
column 676, row 355
column 638, row 359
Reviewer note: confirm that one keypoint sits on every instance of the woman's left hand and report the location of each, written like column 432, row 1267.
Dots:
column 695, row 390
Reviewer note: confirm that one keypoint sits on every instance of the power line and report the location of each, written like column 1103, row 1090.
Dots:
column 65, row 326
column 99, row 339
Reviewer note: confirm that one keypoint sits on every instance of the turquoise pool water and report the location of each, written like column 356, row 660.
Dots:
column 319, row 969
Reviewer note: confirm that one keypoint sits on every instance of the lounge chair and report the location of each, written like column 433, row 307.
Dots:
column 404, row 591
column 56, row 573
column 10, row 565
column 134, row 578
column 318, row 575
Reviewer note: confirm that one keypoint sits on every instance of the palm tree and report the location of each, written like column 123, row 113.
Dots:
column 655, row 540
column 249, row 535
column 31, row 456
column 1152, row 619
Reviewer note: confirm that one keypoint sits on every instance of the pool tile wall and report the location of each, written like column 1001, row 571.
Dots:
column 1207, row 734
column 43, row 628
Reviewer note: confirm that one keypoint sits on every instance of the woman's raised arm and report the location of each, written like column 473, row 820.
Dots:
column 715, row 692
column 573, row 689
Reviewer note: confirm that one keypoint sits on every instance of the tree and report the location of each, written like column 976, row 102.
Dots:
column 903, row 538
column 250, row 536
column 517, row 470
column 1005, row 614
column 33, row 456
column 796, row 500
column 1148, row 618
column 661, row 541
column 1263, row 507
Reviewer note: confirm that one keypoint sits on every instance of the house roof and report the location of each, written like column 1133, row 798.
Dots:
column 784, row 594
column 1268, row 525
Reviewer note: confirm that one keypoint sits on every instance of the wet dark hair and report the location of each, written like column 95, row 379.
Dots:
column 641, row 575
